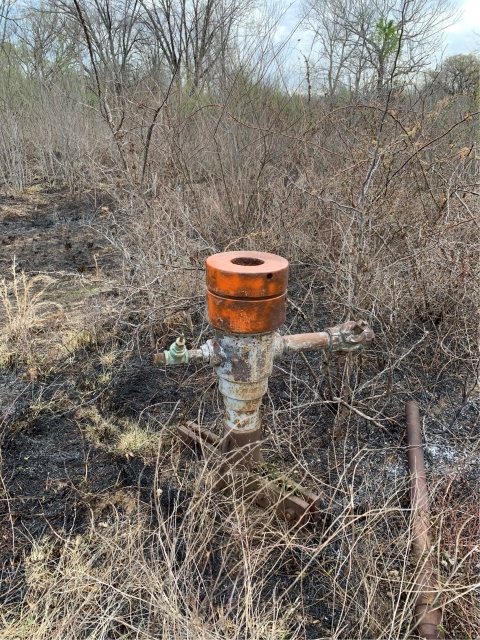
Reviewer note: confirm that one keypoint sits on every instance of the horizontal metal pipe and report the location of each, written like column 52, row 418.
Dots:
column 428, row 619
column 344, row 338
column 306, row 342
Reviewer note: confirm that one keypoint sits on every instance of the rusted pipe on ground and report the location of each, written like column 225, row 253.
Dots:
column 428, row 617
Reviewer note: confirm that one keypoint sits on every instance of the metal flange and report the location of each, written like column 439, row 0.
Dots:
column 246, row 291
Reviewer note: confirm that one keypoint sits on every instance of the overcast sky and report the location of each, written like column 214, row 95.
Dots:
column 462, row 37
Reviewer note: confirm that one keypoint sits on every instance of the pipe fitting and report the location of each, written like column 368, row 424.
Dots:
column 343, row 338
column 210, row 353
column 177, row 354
column 350, row 336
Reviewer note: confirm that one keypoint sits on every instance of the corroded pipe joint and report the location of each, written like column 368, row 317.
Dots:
column 344, row 338
column 350, row 336
column 246, row 364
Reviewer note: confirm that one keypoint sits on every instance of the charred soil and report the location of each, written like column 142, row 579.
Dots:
column 88, row 444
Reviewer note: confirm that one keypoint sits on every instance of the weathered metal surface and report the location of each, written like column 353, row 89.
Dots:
column 246, row 316
column 292, row 502
column 247, row 362
column 246, row 301
column 343, row 338
column 242, row 402
column 267, row 493
column 350, row 336
column 242, row 448
column 242, row 391
column 246, row 291
column 246, row 365
column 305, row 342
column 159, row 358
column 177, row 354
column 245, row 358
column 209, row 442
column 428, row 618
column 247, row 274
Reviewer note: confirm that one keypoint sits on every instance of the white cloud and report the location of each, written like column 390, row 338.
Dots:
column 464, row 36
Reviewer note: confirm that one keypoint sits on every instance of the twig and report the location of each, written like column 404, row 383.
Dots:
column 360, row 413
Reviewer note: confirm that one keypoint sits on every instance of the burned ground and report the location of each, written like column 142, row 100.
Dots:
column 64, row 474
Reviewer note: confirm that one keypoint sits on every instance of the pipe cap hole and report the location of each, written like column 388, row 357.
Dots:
column 247, row 262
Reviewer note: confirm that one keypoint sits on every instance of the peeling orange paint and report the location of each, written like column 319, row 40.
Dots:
column 246, row 291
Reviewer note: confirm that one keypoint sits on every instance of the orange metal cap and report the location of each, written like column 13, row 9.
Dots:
column 247, row 274
column 246, row 291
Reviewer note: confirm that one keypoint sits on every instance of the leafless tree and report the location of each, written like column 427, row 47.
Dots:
column 112, row 33
column 358, row 39
column 43, row 48
column 194, row 35
column 337, row 46
column 6, row 10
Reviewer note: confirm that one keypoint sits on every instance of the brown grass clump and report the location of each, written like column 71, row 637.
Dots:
column 457, row 507
column 27, row 316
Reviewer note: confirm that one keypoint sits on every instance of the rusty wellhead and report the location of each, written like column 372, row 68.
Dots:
column 246, row 304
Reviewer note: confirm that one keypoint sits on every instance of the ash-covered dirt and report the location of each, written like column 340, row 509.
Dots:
column 47, row 232
column 56, row 481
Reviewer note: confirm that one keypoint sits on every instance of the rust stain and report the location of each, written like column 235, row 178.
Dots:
column 246, row 291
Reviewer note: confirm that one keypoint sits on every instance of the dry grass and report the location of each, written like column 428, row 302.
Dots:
column 204, row 566
column 457, row 508
column 376, row 207
column 136, row 439
column 27, row 315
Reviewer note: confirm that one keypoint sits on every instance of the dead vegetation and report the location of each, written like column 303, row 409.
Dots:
column 373, row 198
column 209, row 566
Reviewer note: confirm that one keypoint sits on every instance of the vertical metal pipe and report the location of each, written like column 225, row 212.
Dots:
column 428, row 618
column 243, row 380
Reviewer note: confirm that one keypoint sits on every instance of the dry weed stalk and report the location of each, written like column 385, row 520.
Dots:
column 205, row 565
column 26, row 312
